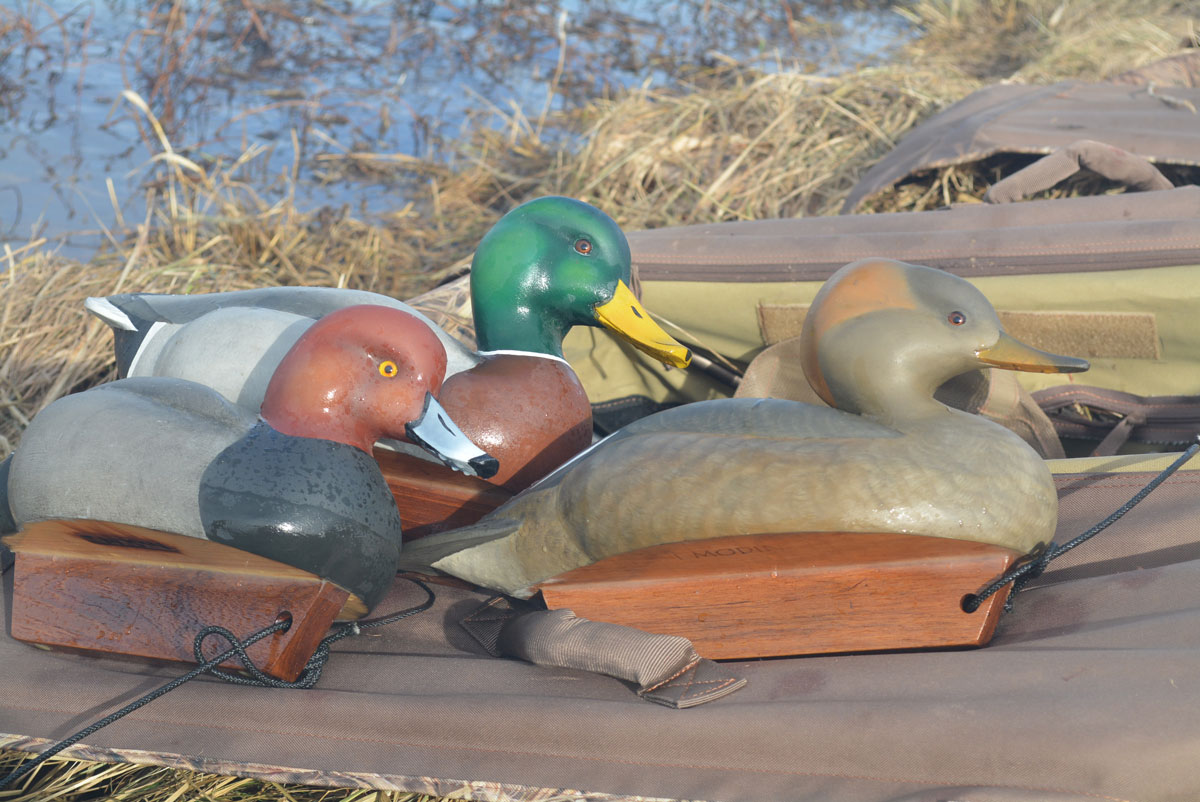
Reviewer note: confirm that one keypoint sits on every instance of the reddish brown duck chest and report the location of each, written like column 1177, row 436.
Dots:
column 530, row 412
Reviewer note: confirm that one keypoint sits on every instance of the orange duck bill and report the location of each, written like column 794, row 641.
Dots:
column 437, row 433
column 1012, row 354
column 628, row 319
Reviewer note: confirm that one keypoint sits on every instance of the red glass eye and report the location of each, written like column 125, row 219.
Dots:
column 583, row 246
column 956, row 318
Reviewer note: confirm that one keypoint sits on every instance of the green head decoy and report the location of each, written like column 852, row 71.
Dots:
column 545, row 267
column 554, row 263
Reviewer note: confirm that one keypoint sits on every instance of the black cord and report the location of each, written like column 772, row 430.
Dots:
column 307, row 679
column 316, row 664
column 1030, row 569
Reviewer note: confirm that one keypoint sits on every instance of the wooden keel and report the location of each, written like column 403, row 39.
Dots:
column 127, row 590
column 755, row 596
column 433, row 498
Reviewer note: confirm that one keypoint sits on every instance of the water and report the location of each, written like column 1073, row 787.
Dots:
column 222, row 76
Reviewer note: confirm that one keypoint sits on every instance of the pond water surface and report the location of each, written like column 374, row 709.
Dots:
column 223, row 76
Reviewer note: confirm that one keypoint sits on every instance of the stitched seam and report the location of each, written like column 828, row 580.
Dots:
column 702, row 691
column 676, row 675
column 478, row 620
column 501, row 615
column 1137, row 485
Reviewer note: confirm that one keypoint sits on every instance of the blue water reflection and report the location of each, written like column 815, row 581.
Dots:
column 392, row 77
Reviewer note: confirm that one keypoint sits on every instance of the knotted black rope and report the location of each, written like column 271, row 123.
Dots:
column 1030, row 569
column 308, row 676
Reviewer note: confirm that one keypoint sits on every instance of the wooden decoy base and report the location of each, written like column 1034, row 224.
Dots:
column 755, row 596
column 433, row 498
column 127, row 590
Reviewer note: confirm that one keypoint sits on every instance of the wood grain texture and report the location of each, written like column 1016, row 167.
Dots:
column 127, row 590
column 433, row 498
column 792, row 594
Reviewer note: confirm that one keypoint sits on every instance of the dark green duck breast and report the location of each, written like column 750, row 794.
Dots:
column 317, row 505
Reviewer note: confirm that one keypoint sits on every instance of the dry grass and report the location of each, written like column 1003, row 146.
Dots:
column 739, row 144
column 1041, row 41
column 65, row 780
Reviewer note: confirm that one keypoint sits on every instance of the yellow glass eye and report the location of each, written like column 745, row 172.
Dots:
column 388, row 369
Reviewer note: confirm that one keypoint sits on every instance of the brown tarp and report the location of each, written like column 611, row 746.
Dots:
column 1089, row 691
column 1155, row 122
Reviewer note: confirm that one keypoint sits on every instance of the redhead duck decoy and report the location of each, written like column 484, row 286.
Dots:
column 545, row 267
column 296, row 486
column 881, row 336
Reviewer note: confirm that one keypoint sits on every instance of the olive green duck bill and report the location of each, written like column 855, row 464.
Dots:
column 625, row 316
column 1012, row 354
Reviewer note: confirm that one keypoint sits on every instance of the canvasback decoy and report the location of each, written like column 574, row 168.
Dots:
column 881, row 336
column 296, row 485
column 549, row 265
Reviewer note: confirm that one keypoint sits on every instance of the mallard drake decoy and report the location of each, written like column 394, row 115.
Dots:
column 297, row 486
column 545, row 267
column 881, row 337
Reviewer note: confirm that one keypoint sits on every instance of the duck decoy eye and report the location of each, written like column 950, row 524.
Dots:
column 583, row 246
column 388, row 369
column 956, row 318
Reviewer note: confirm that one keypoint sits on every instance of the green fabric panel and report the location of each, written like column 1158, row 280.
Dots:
column 1171, row 293
column 723, row 317
column 611, row 369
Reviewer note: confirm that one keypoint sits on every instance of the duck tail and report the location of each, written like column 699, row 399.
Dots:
column 110, row 313
column 129, row 331
column 7, row 524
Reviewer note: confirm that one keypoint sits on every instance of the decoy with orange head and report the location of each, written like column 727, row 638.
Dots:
column 296, row 486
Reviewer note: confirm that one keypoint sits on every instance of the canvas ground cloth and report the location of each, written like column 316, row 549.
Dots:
column 1091, row 690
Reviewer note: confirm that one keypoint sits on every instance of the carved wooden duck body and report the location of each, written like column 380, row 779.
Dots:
column 547, row 266
column 881, row 337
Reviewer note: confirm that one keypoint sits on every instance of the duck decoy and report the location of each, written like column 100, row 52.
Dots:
column 764, row 526
column 547, row 266
column 148, row 508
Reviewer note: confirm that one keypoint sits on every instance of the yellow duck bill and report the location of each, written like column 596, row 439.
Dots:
column 629, row 320
column 1012, row 354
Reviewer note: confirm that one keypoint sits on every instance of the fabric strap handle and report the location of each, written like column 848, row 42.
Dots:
column 1111, row 162
column 1163, row 419
column 665, row 668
